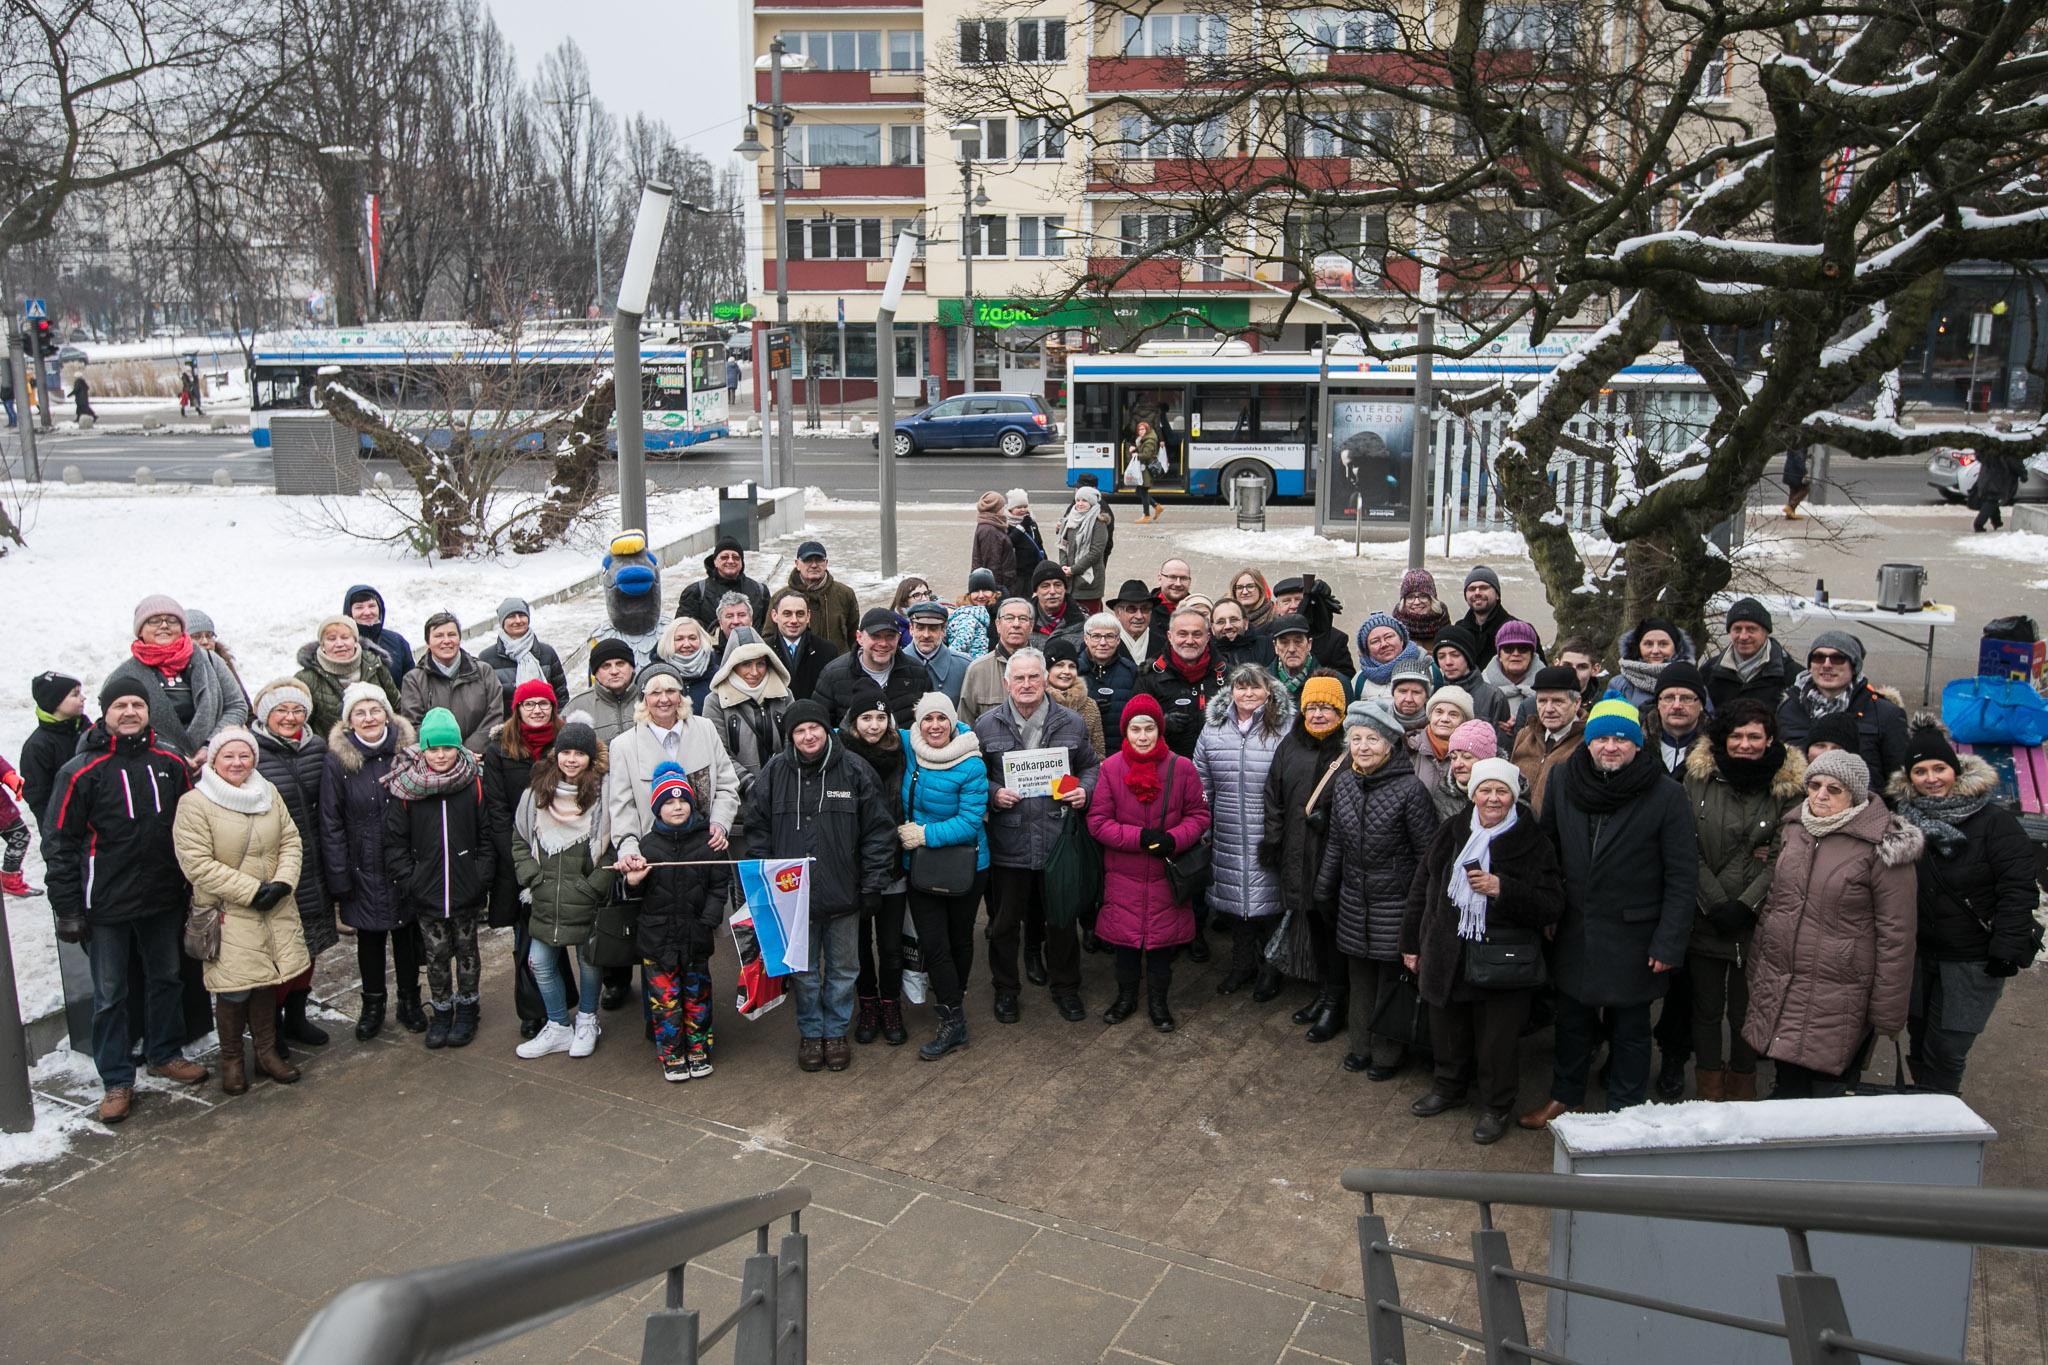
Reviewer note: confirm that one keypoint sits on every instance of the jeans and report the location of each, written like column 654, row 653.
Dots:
column 157, row 938
column 881, row 951
column 1628, row 1054
column 545, row 959
column 945, row 935
column 824, row 994
column 1952, row 1004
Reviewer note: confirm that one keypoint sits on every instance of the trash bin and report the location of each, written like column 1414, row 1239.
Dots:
column 312, row 454
column 1248, row 492
column 737, row 503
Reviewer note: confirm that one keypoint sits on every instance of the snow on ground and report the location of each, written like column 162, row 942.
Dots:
column 1301, row 543
column 1702, row 1124
column 267, row 569
column 2027, row 547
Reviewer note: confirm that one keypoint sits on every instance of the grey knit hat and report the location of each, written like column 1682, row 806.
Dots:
column 1375, row 714
column 1845, row 767
column 1481, row 573
column 1841, row 641
column 198, row 622
column 1413, row 670
column 513, row 606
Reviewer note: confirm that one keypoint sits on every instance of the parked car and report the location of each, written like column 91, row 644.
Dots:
column 1012, row 423
column 1945, row 475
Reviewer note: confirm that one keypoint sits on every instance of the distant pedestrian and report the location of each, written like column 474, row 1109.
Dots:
column 81, row 397
column 732, row 382
column 1998, row 482
column 1798, row 481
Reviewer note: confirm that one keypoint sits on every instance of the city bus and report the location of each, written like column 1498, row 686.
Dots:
column 436, row 376
column 1224, row 411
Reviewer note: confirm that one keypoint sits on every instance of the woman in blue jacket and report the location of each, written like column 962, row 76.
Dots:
column 945, row 803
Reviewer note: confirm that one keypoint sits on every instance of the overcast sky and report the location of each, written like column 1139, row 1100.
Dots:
column 675, row 60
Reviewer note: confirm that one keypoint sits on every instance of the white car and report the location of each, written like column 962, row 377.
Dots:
column 1953, row 473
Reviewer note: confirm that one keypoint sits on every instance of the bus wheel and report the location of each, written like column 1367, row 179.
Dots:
column 1012, row 445
column 1231, row 472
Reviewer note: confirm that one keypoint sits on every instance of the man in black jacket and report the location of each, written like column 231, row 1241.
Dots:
column 1182, row 680
column 1054, row 613
column 115, row 884
column 1484, row 614
column 1754, row 666
column 804, row 654
column 877, row 659
column 814, row 800
column 1833, row 684
column 725, row 570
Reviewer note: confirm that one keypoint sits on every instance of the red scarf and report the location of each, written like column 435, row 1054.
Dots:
column 1191, row 671
column 169, row 660
column 1141, row 771
column 538, row 738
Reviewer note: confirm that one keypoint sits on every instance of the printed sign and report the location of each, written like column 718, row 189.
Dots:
column 1030, row 772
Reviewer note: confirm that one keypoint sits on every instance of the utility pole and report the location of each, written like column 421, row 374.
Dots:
column 1418, row 460
column 967, row 136
column 634, row 283
column 885, row 394
column 785, row 419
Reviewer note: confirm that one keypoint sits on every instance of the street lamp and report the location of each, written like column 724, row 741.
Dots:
column 967, row 135
column 634, row 282
column 781, row 468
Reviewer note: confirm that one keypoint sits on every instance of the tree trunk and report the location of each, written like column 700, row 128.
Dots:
column 578, row 474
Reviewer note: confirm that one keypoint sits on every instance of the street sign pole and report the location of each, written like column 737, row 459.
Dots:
column 27, row 420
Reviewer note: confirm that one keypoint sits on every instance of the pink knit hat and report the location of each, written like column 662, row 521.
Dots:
column 1477, row 738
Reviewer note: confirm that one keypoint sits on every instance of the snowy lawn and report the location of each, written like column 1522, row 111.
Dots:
column 267, row 569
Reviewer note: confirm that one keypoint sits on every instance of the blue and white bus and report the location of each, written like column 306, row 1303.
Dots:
column 1224, row 410
column 437, row 376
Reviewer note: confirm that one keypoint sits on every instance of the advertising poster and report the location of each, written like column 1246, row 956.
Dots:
column 1372, row 443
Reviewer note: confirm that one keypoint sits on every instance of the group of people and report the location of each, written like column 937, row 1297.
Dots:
column 1456, row 815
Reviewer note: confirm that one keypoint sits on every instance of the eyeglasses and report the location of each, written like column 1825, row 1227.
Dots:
column 159, row 621
column 1014, row 618
column 1826, row 656
column 1516, row 649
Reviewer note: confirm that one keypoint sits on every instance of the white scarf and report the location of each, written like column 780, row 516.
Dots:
column 253, row 797
column 1478, row 848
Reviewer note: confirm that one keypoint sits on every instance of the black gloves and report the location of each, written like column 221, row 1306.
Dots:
column 1731, row 918
column 1157, row 841
column 1269, row 856
column 1318, row 819
column 269, row 894
column 1996, row 966
column 71, row 928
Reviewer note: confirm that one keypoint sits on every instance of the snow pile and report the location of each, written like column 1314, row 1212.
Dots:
column 59, row 1122
column 1292, row 543
column 1680, row 1127
column 2025, row 547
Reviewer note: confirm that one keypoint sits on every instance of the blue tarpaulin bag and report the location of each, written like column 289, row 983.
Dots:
column 1994, row 711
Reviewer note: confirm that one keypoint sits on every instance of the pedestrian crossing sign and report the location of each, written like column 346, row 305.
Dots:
column 34, row 310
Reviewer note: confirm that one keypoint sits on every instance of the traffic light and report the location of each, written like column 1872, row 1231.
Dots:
column 37, row 336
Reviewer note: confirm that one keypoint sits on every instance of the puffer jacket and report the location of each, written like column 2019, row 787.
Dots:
column 611, row 713
column 840, row 679
column 1833, row 959
column 217, row 700
column 1977, row 902
column 1381, row 823
column 472, row 695
column 352, row 801
column 1639, row 691
column 1531, row 897
column 1233, row 761
column 1738, row 839
column 230, row 841
column 325, row 689
column 565, row 881
column 507, row 766
column 295, row 769
column 1023, row 835
column 438, row 851
column 1294, row 828
column 681, row 908
column 750, row 728
column 1183, row 704
column 107, row 842
column 51, row 745
column 1139, row 909
column 946, row 792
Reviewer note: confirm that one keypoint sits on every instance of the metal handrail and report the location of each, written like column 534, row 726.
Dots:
column 455, row 1310
column 1944, row 1213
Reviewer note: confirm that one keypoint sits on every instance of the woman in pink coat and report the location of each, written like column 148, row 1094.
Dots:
column 1148, row 806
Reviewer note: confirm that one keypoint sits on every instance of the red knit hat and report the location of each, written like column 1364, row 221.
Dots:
column 1144, row 704
column 533, row 689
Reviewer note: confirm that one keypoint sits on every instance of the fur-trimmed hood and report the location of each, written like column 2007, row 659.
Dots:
column 1279, row 712
column 1975, row 778
column 1788, row 784
column 1898, row 843
column 350, row 756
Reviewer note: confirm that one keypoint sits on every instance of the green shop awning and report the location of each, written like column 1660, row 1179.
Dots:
column 1225, row 315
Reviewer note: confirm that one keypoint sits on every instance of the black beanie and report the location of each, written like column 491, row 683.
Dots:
column 50, row 690
column 579, row 735
column 606, row 650
column 863, row 696
column 1747, row 609
column 1648, row 624
column 1556, row 678
column 804, row 712
column 1680, row 674
column 1838, row 730
column 1931, row 742
column 1460, row 639
column 1062, row 649
column 121, row 685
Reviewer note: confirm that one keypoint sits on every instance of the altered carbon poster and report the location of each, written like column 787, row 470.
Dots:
column 1372, row 440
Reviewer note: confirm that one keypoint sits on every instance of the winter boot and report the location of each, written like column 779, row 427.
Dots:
column 1671, row 1078
column 1330, row 1019
column 466, row 1014
column 1306, row 1015
column 1268, row 985
column 1155, row 1002
column 952, row 1033
column 262, row 1009
column 409, row 1012
column 893, row 1032
column 438, row 1026
column 297, row 1026
column 1709, row 1085
column 1125, row 1004
column 370, row 1022
column 14, row 884
column 868, row 1026
column 1198, row 947
column 1740, row 1085
column 230, row 1017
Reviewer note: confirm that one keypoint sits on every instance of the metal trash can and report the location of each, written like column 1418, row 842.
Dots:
column 1248, row 492
column 737, row 504
column 312, row 454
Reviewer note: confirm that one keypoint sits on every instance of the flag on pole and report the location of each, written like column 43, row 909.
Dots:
column 373, row 228
column 778, row 899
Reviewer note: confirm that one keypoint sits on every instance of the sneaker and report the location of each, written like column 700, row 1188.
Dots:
column 677, row 1071
column 700, row 1067
column 587, row 1031
column 553, row 1037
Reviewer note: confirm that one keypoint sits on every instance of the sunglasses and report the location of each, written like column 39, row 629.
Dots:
column 1826, row 656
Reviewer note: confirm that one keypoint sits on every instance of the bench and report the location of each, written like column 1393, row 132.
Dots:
column 2022, row 788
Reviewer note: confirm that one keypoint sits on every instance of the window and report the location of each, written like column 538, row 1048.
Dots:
column 1091, row 413
column 1174, row 35
column 1040, row 139
column 1287, row 412
column 899, row 226
column 1138, row 233
column 906, row 49
column 1472, row 231
column 1344, row 252
column 838, row 49
column 952, row 407
column 906, row 144
column 1041, row 40
column 1143, row 135
column 994, row 142
column 838, row 144
column 1531, row 27
column 1343, row 132
column 1714, row 79
column 1464, row 137
column 1555, row 121
column 835, row 239
column 1224, row 412
column 990, row 235
column 982, row 42
column 1039, row 235
column 1322, row 32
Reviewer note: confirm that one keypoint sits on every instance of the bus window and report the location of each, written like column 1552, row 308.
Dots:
column 1287, row 412
column 280, row 388
column 1223, row 413
column 663, row 390
column 1091, row 414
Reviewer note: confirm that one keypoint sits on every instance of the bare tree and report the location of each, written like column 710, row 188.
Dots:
column 1649, row 174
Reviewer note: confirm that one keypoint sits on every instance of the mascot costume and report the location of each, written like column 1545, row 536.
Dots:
column 632, row 597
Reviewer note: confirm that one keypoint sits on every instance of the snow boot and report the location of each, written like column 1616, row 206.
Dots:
column 868, row 1025
column 262, row 1008
column 467, row 1013
column 1709, row 1085
column 409, row 1012
column 1741, row 1085
column 14, row 884
column 893, row 1032
column 370, row 1022
column 297, row 1026
column 1125, row 1004
column 437, row 1028
column 1155, row 1004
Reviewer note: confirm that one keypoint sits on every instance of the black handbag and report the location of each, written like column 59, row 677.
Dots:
column 1505, row 960
column 1189, row 870
column 1401, row 1014
column 947, row 871
column 613, row 936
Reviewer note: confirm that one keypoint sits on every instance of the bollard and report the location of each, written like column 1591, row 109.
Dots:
column 1248, row 491
column 221, row 479
column 73, row 474
column 145, row 477
column 17, row 1100
column 87, row 422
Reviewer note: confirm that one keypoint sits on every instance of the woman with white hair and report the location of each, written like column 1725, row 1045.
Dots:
column 360, row 750
column 1082, row 546
column 1486, row 889
column 291, row 754
column 238, row 847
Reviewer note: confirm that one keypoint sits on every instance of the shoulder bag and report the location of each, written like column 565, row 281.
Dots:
column 1507, row 959
column 947, row 871
column 203, row 922
column 1187, row 871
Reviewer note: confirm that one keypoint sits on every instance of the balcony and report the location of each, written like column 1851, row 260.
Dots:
column 847, row 182
column 1170, row 275
column 1137, row 73
column 1108, row 175
column 845, row 87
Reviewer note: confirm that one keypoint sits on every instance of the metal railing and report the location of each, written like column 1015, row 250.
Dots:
column 1814, row 1327
column 454, row 1311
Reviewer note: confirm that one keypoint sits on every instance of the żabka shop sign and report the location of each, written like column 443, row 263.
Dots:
column 1223, row 314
